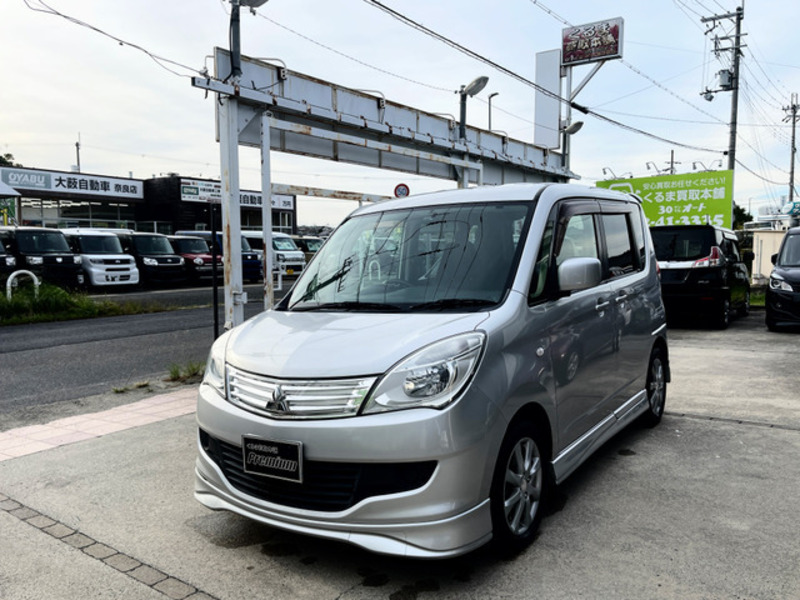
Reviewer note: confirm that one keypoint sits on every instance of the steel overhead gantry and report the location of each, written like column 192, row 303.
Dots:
column 272, row 108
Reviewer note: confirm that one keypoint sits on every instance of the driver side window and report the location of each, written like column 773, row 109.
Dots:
column 580, row 239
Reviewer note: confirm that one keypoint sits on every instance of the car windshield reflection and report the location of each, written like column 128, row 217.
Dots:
column 443, row 258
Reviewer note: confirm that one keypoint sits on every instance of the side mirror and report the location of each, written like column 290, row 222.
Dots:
column 576, row 274
column 774, row 258
column 749, row 256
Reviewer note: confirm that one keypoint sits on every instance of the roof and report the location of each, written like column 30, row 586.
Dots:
column 6, row 191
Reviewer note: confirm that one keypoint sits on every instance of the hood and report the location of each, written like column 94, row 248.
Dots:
column 790, row 273
column 312, row 345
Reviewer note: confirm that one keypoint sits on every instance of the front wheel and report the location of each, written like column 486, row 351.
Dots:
column 519, row 488
column 656, row 388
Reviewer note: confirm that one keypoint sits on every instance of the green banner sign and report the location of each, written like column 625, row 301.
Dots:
column 686, row 199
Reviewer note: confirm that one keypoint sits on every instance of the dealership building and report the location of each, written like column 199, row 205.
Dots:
column 161, row 204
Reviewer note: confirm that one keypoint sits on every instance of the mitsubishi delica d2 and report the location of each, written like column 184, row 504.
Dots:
column 443, row 361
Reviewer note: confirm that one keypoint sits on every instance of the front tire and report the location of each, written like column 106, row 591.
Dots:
column 656, row 388
column 519, row 488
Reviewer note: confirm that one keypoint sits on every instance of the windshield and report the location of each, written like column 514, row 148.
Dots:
column 312, row 244
column 42, row 242
column 190, row 246
column 152, row 244
column 283, row 243
column 99, row 244
column 790, row 252
column 454, row 257
column 682, row 243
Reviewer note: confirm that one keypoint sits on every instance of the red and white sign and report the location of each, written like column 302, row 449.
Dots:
column 401, row 190
column 594, row 42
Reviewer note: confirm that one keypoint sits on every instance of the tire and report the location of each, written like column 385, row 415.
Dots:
column 656, row 388
column 723, row 316
column 744, row 309
column 770, row 322
column 520, row 487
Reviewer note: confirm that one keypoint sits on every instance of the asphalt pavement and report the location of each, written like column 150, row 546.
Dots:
column 703, row 506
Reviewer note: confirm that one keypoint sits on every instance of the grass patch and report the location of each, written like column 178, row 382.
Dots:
column 758, row 297
column 56, row 304
column 190, row 372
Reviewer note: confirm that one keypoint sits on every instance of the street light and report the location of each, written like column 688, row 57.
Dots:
column 607, row 170
column 236, row 53
column 697, row 162
column 654, row 167
column 492, row 95
column 470, row 89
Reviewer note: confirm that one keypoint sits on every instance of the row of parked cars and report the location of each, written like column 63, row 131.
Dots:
column 704, row 274
column 96, row 258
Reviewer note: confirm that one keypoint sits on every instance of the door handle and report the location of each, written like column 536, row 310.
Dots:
column 621, row 298
column 602, row 305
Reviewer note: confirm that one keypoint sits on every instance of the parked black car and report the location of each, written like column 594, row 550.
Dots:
column 155, row 257
column 703, row 272
column 783, row 292
column 44, row 252
column 8, row 263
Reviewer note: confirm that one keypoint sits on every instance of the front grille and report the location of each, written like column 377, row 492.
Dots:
column 296, row 399
column 326, row 487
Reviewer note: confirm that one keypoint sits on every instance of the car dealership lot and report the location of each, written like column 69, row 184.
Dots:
column 701, row 507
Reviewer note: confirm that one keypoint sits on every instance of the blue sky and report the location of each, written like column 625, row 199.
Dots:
column 136, row 115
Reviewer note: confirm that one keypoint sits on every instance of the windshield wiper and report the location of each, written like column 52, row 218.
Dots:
column 453, row 303
column 349, row 306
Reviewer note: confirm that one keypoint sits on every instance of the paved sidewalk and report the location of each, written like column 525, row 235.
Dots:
column 37, row 438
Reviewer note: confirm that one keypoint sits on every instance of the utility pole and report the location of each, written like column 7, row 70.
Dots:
column 729, row 80
column 792, row 116
column 672, row 162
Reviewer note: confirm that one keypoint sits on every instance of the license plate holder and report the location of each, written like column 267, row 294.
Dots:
column 272, row 458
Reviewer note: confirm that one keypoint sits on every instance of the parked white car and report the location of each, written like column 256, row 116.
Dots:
column 102, row 258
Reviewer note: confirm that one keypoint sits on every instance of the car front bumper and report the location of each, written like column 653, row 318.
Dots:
column 445, row 516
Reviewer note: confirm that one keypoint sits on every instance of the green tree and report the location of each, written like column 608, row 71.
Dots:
column 740, row 216
column 7, row 160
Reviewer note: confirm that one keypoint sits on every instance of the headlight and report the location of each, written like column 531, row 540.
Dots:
column 776, row 282
column 96, row 261
column 280, row 257
column 431, row 377
column 11, row 261
column 77, row 260
column 35, row 260
column 180, row 260
column 198, row 261
column 150, row 262
column 215, row 366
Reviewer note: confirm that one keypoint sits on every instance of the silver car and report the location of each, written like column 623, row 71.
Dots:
column 444, row 361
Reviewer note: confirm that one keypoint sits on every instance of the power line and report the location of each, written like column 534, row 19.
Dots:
column 585, row 110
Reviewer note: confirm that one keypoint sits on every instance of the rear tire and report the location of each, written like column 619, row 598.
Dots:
column 723, row 316
column 520, row 487
column 656, row 388
column 744, row 309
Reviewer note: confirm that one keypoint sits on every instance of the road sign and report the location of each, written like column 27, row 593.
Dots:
column 401, row 190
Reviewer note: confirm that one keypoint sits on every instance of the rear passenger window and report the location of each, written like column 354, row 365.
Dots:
column 638, row 239
column 621, row 257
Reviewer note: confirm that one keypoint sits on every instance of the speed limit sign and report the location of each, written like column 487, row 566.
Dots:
column 401, row 190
